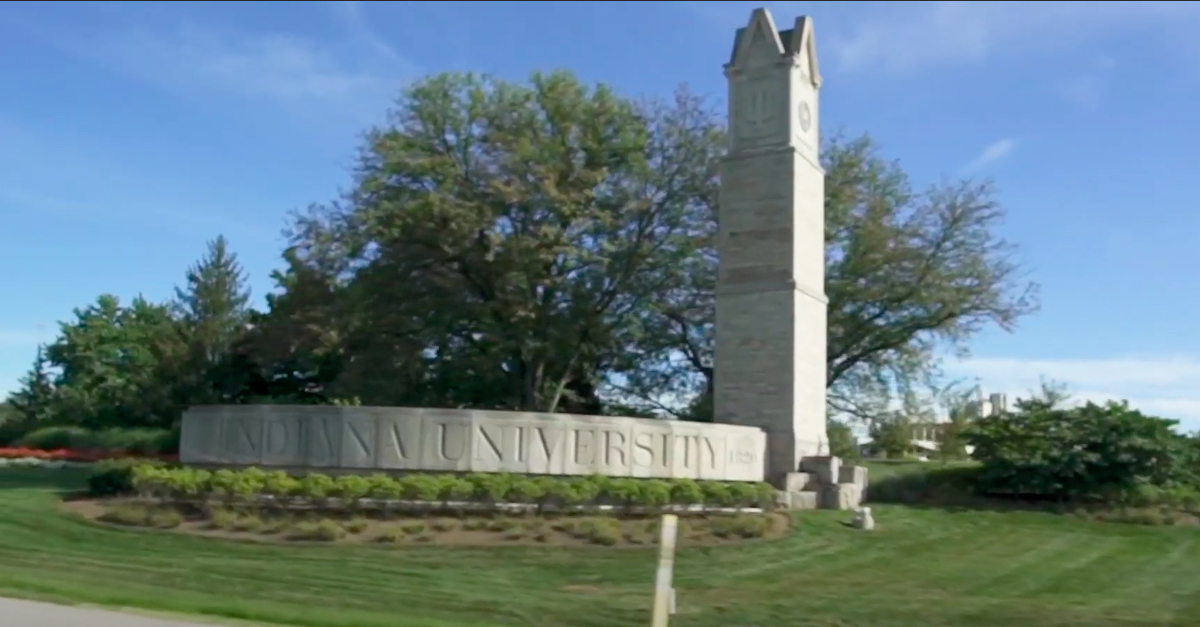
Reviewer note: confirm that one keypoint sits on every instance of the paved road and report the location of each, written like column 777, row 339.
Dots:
column 14, row 613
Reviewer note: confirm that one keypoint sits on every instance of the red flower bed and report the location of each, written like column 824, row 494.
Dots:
column 68, row 455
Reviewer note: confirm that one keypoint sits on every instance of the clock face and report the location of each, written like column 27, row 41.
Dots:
column 805, row 117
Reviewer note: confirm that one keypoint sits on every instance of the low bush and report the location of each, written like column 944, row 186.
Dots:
column 925, row 483
column 319, row 531
column 115, row 477
column 253, row 484
column 137, row 442
column 1093, row 452
column 741, row 526
column 140, row 515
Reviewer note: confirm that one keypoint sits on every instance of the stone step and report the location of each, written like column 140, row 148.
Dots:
column 800, row 500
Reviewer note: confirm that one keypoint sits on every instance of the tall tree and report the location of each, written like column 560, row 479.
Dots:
column 31, row 402
column 509, row 238
column 907, row 274
column 549, row 246
column 116, row 365
column 214, row 305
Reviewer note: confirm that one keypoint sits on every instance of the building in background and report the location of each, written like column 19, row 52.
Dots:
column 927, row 435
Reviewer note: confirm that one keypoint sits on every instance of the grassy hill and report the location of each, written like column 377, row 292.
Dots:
column 922, row 567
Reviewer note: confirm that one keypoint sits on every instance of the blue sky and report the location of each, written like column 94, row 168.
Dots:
column 131, row 133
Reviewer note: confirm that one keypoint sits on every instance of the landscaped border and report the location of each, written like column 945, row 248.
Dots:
column 423, row 492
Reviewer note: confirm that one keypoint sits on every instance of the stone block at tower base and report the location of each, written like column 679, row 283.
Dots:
column 824, row 483
column 384, row 439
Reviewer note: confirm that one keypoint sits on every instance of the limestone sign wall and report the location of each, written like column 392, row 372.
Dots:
column 402, row 438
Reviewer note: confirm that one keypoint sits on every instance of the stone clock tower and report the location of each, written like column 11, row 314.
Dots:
column 771, row 305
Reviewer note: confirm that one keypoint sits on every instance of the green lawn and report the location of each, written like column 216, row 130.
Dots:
column 921, row 568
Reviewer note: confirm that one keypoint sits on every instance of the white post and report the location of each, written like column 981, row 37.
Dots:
column 664, row 594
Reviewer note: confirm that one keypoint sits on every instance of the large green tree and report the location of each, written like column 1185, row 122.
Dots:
column 909, row 274
column 115, row 365
column 505, row 242
column 550, row 246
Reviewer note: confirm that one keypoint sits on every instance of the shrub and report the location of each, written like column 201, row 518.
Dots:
column 766, row 495
column 390, row 535
column 164, row 518
column 926, row 483
column 491, row 487
column 741, row 526
column 131, row 514
column 53, row 438
column 714, row 493
column 686, row 492
column 654, row 493
column 383, row 487
column 248, row 523
column 353, row 488
column 115, row 477
column 316, row 486
column 148, row 442
column 139, row 442
column 320, row 531
column 621, row 491
column 602, row 531
column 526, row 490
column 1088, row 452
column 281, row 485
column 419, row 487
column 356, row 525
column 160, row 480
column 221, row 518
column 743, row 494
column 457, row 489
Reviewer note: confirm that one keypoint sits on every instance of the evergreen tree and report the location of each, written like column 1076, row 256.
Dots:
column 31, row 401
column 214, row 306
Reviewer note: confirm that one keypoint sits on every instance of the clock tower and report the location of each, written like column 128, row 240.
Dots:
column 770, row 298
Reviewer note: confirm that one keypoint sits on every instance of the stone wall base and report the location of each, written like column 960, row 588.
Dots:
column 823, row 483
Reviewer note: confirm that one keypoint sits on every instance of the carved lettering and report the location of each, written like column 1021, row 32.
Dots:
column 398, row 441
column 643, row 449
column 493, row 441
column 614, row 446
column 681, row 445
column 518, row 442
column 549, row 442
column 506, row 442
column 712, row 451
column 651, row 449
column 444, row 445
column 244, row 429
column 353, row 438
column 329, row 438
column 741, row 456
column 585, row 447
column 359, row 438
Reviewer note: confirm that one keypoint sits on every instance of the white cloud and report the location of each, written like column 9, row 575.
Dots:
column 276, row 66
column 991, row 154
column 352, row 14
column 1165, row 386
column 902, row 37
column 356, row 71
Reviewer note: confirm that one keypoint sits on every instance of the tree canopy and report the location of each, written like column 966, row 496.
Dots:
column 545, row 245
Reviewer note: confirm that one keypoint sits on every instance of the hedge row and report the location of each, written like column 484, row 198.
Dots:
column 148, row 442
column 253, row 484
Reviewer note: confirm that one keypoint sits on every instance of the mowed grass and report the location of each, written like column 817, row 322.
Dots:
column 921, row 568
